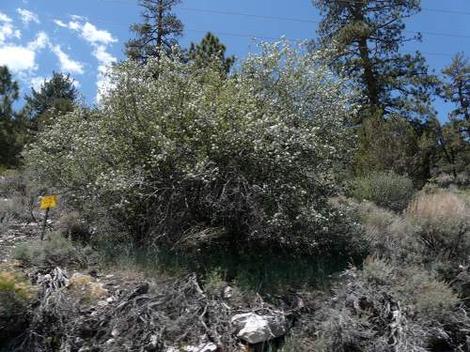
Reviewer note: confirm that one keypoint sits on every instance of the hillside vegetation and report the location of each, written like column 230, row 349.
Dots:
column 303, row 199
column 224, row 188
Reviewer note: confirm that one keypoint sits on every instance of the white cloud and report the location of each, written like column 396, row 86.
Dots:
column 100, row 40
column 21, row 59
column 60, row 23
column 79, row 18
column 28, row 16
column 103, row 56
column 4, row 18
column 91, row 34
column 40, row 42
column 103, row 83
column 66, row 63
column 74, row 26
column 105, row 60
column 37, row 82
column 18, row 58
column 7, row 30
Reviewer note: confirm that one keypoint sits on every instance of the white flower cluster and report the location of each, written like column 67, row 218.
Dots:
column 255, row 152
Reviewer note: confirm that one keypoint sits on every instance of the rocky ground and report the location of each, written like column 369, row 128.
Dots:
column 92, row 308
column 15, row 234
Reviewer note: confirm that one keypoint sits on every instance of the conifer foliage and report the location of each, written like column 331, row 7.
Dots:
column 56, row 96
column 158, row 32
column 9, row 93
column 367, row 37
column 211, row 51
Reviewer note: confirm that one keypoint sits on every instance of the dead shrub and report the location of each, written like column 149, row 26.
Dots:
column 18, row 195
column 387, row 308
column 72, row 226
column 143, row 316
column 15, row 208
column 86, row 288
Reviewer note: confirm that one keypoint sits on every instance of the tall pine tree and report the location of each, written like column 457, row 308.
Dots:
column 366, row 36
column 455, row 87
column 9, row 93
column 455, row 134
column 158, row 32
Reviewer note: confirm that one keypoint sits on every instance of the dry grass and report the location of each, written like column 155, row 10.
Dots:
column 86, row 287
column 16, row 293
column 388, row 234
column 438, row 206
column 13, row 282
column 443, row 219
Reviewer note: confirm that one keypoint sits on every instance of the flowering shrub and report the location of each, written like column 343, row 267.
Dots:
column 189, row 155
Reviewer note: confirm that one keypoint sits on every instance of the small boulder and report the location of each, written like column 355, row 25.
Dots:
column 254, row 328
column 227, row 292
column 203, row 347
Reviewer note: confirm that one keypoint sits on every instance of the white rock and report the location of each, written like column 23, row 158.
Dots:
column 228, row 292
column 203, row 347
column 153, row 341
column 254, row 328
column 110, row 341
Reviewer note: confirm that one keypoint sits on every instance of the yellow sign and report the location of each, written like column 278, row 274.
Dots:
column 48, row 202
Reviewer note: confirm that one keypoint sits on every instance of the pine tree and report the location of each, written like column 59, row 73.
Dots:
column 366, row 36
column 55, row 96
column 454, row 135
column 455, row 87
column 395, row 144
column 211, row 51
column 158, row 32
column 9, row 93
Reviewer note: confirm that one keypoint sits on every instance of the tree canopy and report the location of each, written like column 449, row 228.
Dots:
column 211, row 51
column 158, row 32
column 367, row 37
column 9, row 93
column 56, row 96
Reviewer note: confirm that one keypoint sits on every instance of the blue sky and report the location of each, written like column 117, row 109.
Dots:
column 84, row 37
